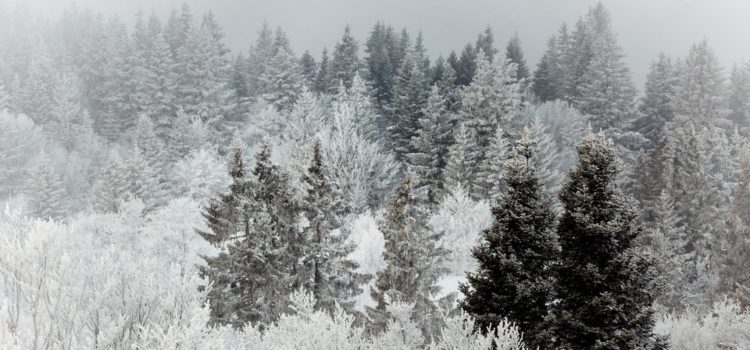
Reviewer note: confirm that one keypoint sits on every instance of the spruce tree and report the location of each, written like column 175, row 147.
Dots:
column 409, row 96
column 486, row 43
column 514, row 279
column 604, row 282
column 329, row 274
column 430, row 145
column 413, row 262
column 323, row 77
column 345, row 61
column 255, row 271
column 489, row 180
column 47, row 192
column 463, row 158
column 110, row 186
column 308, row 68
column 548, row 76
column 514, row 53
column 656, row 103
column 738, row 100
column 700, row 87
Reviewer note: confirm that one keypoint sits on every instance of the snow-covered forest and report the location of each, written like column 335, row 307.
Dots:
column 161, row 191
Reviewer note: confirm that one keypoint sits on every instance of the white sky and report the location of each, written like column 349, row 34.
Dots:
column 645, row 27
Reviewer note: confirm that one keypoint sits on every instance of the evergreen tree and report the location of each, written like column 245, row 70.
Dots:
column 381, row 69
column 734, row 249
column 345, row 62
column 514, row 53
column 254, row 273
column 489, row 181
column 656, row 103
column 514, row 279
column 466, row 66
column 492, row 98
column 606, row 90
column 308, row 68
column 700, row 87
column 486, row 43
column 332, row 277
column 110, row 186
column 667, row 241
column 547, row 84
column 323, row 78
column 463, row 157
column 604, row 282
column 430, row 146
column 409, row 97
column 282, row 79
column 47, row 192
column 412, row 261
column 738, row 100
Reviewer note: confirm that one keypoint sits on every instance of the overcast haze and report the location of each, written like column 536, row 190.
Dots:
column 645, row 27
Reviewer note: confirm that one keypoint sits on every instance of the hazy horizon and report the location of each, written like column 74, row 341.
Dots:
column 449, row 25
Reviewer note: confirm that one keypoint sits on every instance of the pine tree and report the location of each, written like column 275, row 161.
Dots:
column 463, row 157
column 345, row 62
column 656, row 103
column 604, row 283
column 430, row 146
column 514, row 54
column 490, row 181
column 110, row 186
column 514, row 279
column 332, row 277
column 412, row 261
column 47, row 192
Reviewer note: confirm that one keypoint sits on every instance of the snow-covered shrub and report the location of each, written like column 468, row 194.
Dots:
column 461, row 221
column 727, row 326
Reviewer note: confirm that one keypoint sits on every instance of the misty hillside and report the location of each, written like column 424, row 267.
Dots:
column 163, row 191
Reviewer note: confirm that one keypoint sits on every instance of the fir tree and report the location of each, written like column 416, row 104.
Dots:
column 606, row 90
column 490, row 176
column 430, row 146
column 345, row 62
column 548, row 76
column 332, row 277
column 486, row 43
column 514, row 279
column 604, row 283
column 463, row 157
column 47, row 192
column 253, row 274
column 700, row 87
column 110, row 186
column 466, row 66
column 323, row 78
column 412, row 261
column 738, row 100
column 514, row 53
column 381, row 69
column 656, row 103
column 409, row 97
column 308, row 68
column 734, row 249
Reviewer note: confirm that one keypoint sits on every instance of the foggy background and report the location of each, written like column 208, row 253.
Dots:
column 645, row 27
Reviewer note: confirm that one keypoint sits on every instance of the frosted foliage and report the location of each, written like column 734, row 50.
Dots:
column 726, row 326
column 370, row 244
column 461, row 220
column 200, row 175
